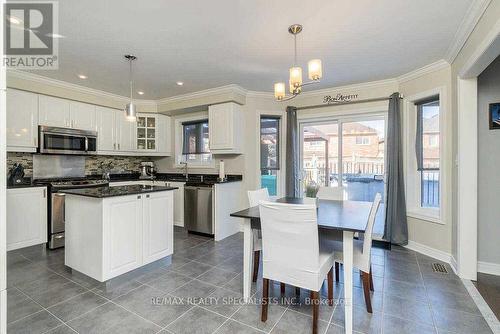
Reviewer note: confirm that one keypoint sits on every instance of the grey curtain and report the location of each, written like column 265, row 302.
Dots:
column 292, row 153
column 396, row 227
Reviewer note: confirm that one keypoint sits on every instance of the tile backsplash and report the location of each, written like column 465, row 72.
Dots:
column 93, row 164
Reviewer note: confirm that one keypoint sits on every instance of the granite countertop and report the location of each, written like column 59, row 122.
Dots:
column 103, row 192
column 26, row 182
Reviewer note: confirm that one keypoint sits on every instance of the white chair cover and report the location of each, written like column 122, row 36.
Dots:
column 331, row 193
column 254, row 197
column 290, row 242
column 362, row 249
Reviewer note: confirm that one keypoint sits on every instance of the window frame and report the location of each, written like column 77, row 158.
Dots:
column 198, row 145
column 280, row 173
column 179, row 142
column 413, row 178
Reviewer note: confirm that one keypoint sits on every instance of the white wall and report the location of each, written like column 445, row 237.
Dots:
column 488, row 162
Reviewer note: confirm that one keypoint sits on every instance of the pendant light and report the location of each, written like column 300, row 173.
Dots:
column 130, row 109
column 295, row 74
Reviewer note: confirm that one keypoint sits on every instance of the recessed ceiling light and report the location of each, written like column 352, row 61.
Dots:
column 140, row 92
column 14, row 20
column 179, row 83
column 82, row 76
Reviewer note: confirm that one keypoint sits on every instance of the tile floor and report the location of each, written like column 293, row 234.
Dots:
column 44, row 296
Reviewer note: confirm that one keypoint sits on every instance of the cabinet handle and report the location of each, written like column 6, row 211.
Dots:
column 44, row 193
column 139, row 197
column 114, row 146
column 147, row 196
column 118, row 146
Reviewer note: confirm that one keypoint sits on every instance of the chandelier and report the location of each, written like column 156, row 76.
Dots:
column 295, row 81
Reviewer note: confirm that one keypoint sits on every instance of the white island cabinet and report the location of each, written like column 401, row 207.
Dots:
column 109, row 236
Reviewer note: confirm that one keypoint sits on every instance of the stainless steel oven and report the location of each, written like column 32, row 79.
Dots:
column 54, row 140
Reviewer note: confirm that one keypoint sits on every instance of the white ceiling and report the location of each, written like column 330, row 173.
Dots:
column 208, row 44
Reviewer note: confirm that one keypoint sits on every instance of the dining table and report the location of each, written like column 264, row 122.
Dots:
column 349, row 217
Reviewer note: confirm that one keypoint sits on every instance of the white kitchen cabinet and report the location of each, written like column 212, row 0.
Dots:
column 225, row 128
column 123, row 229
column 125, row 133
column 117, row 234
column 26, row 217
column 82, row 116
column 157, row 226
column 53, row 111
column 22, row 121
column 164, row 134
column 106, row 130
column 178, row 200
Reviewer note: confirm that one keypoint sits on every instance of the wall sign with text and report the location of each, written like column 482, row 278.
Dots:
column 339, row 98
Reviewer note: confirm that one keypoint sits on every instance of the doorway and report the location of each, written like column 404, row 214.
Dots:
column 345, row 152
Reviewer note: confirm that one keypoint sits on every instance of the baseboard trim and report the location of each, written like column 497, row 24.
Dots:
column 429, row 251
column 181, row 224
column 483, row 307
column 488, row 268
column 454, row 265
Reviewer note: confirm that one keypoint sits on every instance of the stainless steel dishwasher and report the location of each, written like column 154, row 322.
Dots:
column 198, row 209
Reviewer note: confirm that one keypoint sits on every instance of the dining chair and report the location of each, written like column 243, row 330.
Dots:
column 254, row 197
column 292, row 253
column 331, row 193
column 362, row 253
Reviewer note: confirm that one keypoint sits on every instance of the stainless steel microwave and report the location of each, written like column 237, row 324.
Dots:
column 54, row 140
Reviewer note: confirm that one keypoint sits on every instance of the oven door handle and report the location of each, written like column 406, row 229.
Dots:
column 86, row 144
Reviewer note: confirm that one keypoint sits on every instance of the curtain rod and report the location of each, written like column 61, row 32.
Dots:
column 346, row 102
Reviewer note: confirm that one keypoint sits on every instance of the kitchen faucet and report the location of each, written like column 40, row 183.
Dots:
column 186, row 175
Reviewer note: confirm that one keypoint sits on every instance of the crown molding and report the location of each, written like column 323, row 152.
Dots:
column 469, row 22
column 233, row 88
column 74, row 87
column 436, row 66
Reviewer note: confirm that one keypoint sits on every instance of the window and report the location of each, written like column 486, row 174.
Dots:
column 362, row 140
column 428, row 152
column 195, row 145
column 269, row 153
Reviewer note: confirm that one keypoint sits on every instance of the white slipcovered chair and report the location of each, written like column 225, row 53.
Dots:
column 254, row 197
column 331, row 193
column 362, row 253
column 292, row 253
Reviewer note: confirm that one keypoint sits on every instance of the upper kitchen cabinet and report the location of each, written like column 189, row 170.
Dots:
column 153, row 134
column 225, row 130
column 106, row 132
column 53, row 111
column 22, row 121
column 82, row 116
column 125, row 133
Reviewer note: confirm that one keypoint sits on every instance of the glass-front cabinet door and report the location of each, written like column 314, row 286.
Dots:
column 146, row 133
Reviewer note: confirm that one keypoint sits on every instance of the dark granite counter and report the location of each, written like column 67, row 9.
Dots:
column 103, row 192
column 27, row 182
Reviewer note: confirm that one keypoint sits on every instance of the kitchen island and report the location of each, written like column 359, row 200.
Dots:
column 113, row 230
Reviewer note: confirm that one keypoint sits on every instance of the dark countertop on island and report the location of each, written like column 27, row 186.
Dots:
column 104, row 192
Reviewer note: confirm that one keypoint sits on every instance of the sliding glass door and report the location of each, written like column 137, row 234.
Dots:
column 347, row 152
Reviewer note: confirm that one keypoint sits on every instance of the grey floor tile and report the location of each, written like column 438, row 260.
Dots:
column 394, row 325
column 404, row 276
column 75, row 276
column 193, row 269
column 297, row 323
column 110, row 318
column 303, row 305
column 148, row 273
column 212, row 258
column 336, row 329
column 417, row 311
column 194, row 290
column 224, row 302
column 197, row 321
column 216, row 276
column 153, row 305
column 76, row 306
column 437, row 286
column 459, row 302
column 378, row 270
column 460, row 322
column 362, row 321
column 234, row 264
column 231, row 327
column 19, row 305
column 26, row 272
column 177, row 261
column 63, row 329
column 116, row 287
column 236, row 284
column 39, row 322
column 169, row 281
column 250, row 315
column 409, row 291
column 51, row 290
